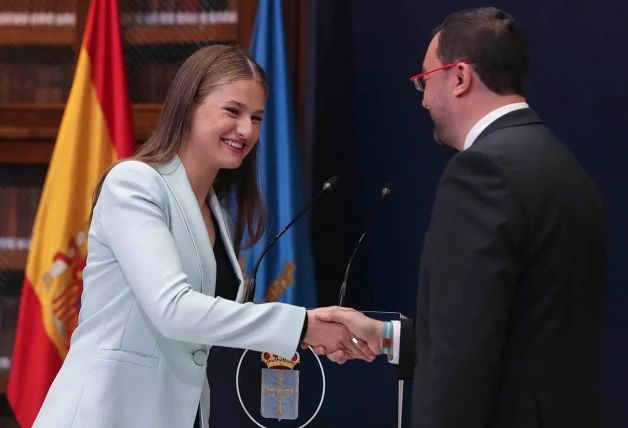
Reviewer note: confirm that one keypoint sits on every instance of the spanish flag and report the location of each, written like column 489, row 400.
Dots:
column 95, row 131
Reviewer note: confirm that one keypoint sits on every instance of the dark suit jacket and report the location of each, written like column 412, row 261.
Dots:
column 510, row 291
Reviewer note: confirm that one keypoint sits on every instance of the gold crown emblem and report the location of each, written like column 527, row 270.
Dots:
column 273, row 361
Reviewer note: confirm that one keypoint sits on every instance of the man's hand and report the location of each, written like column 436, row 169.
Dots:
column 367, row 330
column 328, row 336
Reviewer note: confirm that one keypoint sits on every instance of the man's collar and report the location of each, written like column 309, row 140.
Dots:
column 490, row 118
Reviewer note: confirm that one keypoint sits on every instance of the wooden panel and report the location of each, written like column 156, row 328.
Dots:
column 247, row 11
column 10, row 133
column 181, row 34
column 27, row 115
column 41, row 116
column 145, row 118
column 82, row 12
column 13, row 259
column 36, row 35
column 26, row 152
column 295, row 29
column 28, row 131
column 4, row 381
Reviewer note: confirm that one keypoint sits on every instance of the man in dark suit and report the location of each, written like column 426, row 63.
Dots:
column 513, row 266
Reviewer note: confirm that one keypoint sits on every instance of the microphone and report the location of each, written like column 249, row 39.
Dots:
column 329, row 185
column 343, row 289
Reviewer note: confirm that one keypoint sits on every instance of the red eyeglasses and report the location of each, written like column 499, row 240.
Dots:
column 419, row 79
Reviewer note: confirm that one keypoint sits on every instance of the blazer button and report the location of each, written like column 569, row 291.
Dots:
column 200, row 357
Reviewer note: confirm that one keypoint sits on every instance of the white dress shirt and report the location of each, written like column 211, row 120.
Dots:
column 483, row 123
column 473, row 134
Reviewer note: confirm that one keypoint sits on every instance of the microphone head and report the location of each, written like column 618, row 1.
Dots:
column 331, row 183
column 386, row 189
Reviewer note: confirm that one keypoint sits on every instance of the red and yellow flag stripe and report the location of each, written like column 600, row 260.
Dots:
column 96, row 130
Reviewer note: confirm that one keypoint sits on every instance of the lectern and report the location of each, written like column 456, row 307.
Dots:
column 256, row 389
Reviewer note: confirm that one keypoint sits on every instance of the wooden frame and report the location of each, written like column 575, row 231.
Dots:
column 25, row 35
column 180, row 34
column 13, row 259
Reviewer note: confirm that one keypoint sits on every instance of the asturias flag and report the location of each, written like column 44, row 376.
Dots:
column 287, row 269
column 95, row 131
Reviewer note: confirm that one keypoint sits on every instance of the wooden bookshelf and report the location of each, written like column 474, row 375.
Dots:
column 165, row 34
column 27, row 152
column 14, row 259
column 4, row 381
column 28, row 131
column 31, row 115
column 45, row 35
column 43, row 119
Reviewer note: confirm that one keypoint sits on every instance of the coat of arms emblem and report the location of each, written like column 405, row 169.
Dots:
column 280, row 387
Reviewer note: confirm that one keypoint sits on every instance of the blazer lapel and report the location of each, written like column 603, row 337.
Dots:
column 177, row 179
column 223, row 227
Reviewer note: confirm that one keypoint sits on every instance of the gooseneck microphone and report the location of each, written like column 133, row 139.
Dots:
column 328, row 186
column 343, row 289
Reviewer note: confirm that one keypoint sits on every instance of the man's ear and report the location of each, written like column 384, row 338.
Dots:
column 464, row 76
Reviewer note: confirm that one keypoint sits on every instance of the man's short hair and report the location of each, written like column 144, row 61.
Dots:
column 493, row 40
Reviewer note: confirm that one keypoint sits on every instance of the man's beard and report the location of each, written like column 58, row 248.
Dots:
column 440, row 139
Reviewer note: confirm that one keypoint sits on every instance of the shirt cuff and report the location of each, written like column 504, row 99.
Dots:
column 304, row 329
column 394, row 358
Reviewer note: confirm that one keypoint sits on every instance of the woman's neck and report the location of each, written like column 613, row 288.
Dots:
column 200, row 175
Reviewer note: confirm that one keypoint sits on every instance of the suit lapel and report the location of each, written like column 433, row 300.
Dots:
column 521, row 117
column 221, row 223
column 177, row 179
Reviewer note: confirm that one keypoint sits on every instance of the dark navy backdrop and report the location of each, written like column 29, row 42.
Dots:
column 365, row 123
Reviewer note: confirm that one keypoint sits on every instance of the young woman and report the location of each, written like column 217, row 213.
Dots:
column 162, row 282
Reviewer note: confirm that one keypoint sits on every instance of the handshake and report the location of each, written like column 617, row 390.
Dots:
column 343, row 334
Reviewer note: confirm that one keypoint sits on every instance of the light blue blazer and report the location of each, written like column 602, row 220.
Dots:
column 148, row 315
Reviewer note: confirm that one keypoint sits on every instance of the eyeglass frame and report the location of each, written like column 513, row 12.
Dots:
column 416, row 79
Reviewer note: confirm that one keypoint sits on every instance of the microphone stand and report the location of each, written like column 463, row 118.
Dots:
column 250, row 291
column 343, row 288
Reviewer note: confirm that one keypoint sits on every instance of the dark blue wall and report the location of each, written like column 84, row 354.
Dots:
column 366, row 124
